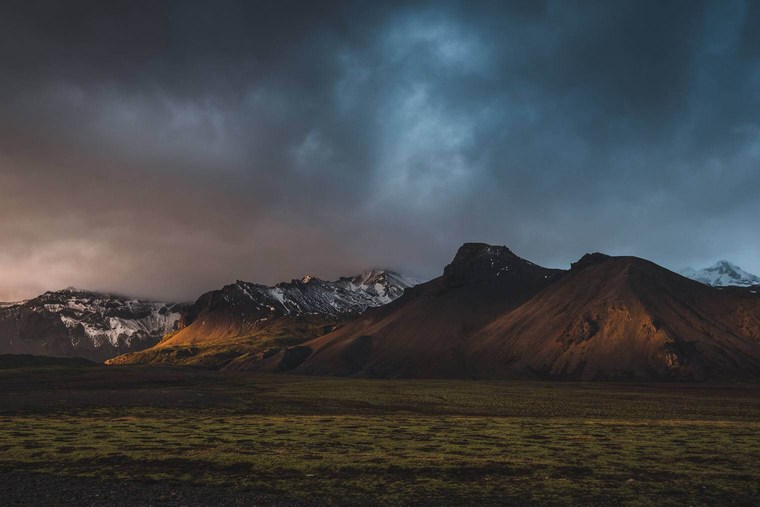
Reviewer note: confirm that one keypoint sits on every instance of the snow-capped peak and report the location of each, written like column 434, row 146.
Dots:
column 308, row 295
column 86, row 323
column 382, row 285
column 385, row 276
column 722, row 274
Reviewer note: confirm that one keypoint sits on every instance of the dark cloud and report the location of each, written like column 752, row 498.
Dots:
column 165, row 148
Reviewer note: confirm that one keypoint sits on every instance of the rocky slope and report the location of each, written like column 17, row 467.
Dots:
column 227, row 327
column 424, row 333
column 623, row 318
column 722, row 274
column 77, row 323
column 495, row 315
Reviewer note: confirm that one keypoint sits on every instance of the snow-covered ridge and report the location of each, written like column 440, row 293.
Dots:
column 382, row 286
column 345, row 295
column 722, row 274
column 308, row 295
column 93, row 320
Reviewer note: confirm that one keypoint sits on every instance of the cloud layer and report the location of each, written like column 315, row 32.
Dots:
column 162, row 149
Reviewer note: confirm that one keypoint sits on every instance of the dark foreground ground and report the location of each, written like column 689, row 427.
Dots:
column 161, row 436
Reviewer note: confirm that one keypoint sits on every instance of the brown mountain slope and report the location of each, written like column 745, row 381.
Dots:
column 623, row 317
column 423, row 333
column 247, row 321
column 229, row 339
column 607, row 318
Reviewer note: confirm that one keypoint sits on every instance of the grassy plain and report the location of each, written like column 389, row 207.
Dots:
column 299, row 440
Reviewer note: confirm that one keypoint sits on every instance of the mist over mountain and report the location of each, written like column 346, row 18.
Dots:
column 80, row 323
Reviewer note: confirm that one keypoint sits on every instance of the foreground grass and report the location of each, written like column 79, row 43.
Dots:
column 354, row 441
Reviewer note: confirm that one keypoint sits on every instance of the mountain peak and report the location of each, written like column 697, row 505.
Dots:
column 478, row 256
column 589, row 259
column 308, row 295
column 480, row 262
column 470, row 251
column 73, row 290
column 722, row 274
column 383, row 276
column 95, row 325
column 385, row 284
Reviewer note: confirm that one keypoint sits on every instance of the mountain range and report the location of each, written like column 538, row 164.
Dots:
column 99, row 326
column 495, row 315
column 490, row 315
column 246, row 320
column 79, row 323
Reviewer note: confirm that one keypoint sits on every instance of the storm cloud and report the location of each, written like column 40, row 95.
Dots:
column 164, row 148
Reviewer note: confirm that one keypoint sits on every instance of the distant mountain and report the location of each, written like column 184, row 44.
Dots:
column 494, row 315
column 722, row 274
column 244, row 319
column 78, row 323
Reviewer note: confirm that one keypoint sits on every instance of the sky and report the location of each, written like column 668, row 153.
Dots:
column 164, row 149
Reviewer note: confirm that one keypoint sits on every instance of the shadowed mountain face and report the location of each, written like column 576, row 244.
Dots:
column 425, row 332
column 495, row 315
column 76, row 323
column 244, row 321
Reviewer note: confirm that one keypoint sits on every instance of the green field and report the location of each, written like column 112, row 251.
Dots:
column 322, row 440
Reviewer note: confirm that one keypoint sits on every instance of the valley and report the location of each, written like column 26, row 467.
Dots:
column 131, row 435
